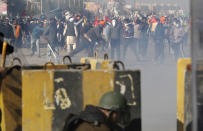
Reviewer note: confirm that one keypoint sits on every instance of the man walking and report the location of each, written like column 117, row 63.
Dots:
column 35, row 38
column 115, row 39
column 51, row 36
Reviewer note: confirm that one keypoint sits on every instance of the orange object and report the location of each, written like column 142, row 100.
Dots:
column 101, row 22
column 95, row 22
column 17, row 31
column 163, row 20
column 148, row 21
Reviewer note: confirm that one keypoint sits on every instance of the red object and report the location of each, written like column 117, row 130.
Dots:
column 24, row 13
column 102, row 22
column 107, row 19
column 96, row 22
column 153, row 19
column 17, row 31
column 189, row 67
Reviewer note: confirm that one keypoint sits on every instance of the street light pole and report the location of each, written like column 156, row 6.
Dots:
column 74, row 3
column 41, row 6
column 134, row 4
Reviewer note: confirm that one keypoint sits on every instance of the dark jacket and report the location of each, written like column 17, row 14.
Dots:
column 37, row 32
column 85, row 126
column 91, row 119
column 85, row 29
column 70, row 29
column 128, row 31
column 50, row 34
column 1, row 27
column 116, row 32
column 159, row 32
column 8, row 31
column 95, row 34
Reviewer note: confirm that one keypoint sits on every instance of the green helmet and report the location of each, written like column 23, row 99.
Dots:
column 112, row 101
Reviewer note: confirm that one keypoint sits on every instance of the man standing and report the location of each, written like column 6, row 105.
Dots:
column 35, row 38
column 8, row 32
column 143, row 42
column 70, row 35
column 18, row 34
column 103, row 117
column 51, row 36
column 176, row 35
column 159, row 42
column 115, row 39
column 128, row 37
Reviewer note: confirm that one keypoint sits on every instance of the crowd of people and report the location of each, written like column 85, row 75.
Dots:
column 74, row 32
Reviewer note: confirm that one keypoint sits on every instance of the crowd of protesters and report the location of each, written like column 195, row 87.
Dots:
column 119, row 34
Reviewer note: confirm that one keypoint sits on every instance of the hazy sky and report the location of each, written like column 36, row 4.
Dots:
column 182, row 3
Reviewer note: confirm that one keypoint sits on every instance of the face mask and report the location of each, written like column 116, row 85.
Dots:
column 71, row 19
column 114, row 23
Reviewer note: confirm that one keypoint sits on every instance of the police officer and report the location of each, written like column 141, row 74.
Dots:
column 103, row 117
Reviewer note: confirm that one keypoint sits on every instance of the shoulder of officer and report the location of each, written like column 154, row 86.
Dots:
column 85, row 126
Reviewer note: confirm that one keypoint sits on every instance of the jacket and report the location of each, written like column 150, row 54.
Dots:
column 107, row 32
column 70, row 29
column 91, row 119
column 116, row 32
column 37, row 32
column 51, row 34
column 95, row 34
column 128, row 31
column 159, row 32
column 8, row 31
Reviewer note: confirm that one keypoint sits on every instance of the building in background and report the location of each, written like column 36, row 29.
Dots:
column 3, row 7
column 33, row 7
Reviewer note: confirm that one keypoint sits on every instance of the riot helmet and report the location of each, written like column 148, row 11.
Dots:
column 112, row 101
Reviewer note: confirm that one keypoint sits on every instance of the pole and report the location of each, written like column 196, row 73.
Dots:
column 133, row 4
column 83, row 4
column 41, row 6
column 52, row 51
column 3, row 60
column 197, row 63
column 74, row 3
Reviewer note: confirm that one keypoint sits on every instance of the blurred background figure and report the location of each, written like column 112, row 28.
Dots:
column 115, row 39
